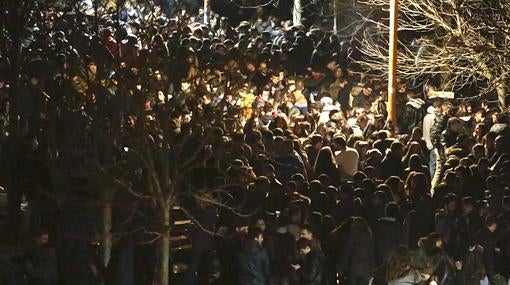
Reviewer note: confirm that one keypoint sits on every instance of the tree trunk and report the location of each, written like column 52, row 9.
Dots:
column 206, row 12
column 335, row 18
column 106, row 247
column 296, row 12
column 501, row 90
column 164, row 248
column 96, row 16
column 501, row 87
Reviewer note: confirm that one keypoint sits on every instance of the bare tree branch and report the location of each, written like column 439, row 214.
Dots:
column 463, row 43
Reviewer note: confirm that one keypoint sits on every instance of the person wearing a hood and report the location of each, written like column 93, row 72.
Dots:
column 253, row 260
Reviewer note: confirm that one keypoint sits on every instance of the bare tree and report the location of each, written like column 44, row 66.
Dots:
column 170, row 165
column 148, row 160
column 461, row 43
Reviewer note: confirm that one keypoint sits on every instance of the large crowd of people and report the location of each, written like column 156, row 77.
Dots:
column 326, row 189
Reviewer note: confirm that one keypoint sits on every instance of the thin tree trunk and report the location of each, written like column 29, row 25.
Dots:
column 501, row 87
column 206, row 12
column 501, row 90
column 106, row 248
column 335, row 18
column 164, row 248
column 95, row 4
column 117, row 29
column 3, row 37
column 296, row 12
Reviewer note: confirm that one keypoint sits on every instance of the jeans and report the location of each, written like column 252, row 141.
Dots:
column 432, row 162
column 439, row 160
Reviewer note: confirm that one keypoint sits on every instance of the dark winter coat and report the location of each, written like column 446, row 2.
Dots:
column 472, row 270
column 487, row 240
column 331, row 171
column 253, row 264
column 284, row 249
column 391, row 165
column 383, row 145
column 445, row 272
column 388, row 234
column 79, row 265
column 448, row 138
column 311, row 271
column 444, row 224
column 226, row 248
column 288, row 165
column 420, row 222
column 357, row 258
column 470, row 222
column 504, row 245
column 41, row 265
column 413, row 115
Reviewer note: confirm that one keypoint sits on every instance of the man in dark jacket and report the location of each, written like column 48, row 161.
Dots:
column 389, row 233
column 41, row 262
column 445, row 218
column 310, row 271
column 253, row 260
column 487, row 239
column 469, row 219
column 413, row 113
column 438, row 127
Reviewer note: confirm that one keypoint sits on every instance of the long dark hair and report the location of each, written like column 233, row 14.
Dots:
column 410, row 150
column 324, row 161
column 417, row 185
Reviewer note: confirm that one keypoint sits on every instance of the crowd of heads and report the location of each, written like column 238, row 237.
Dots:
column 297, row 125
